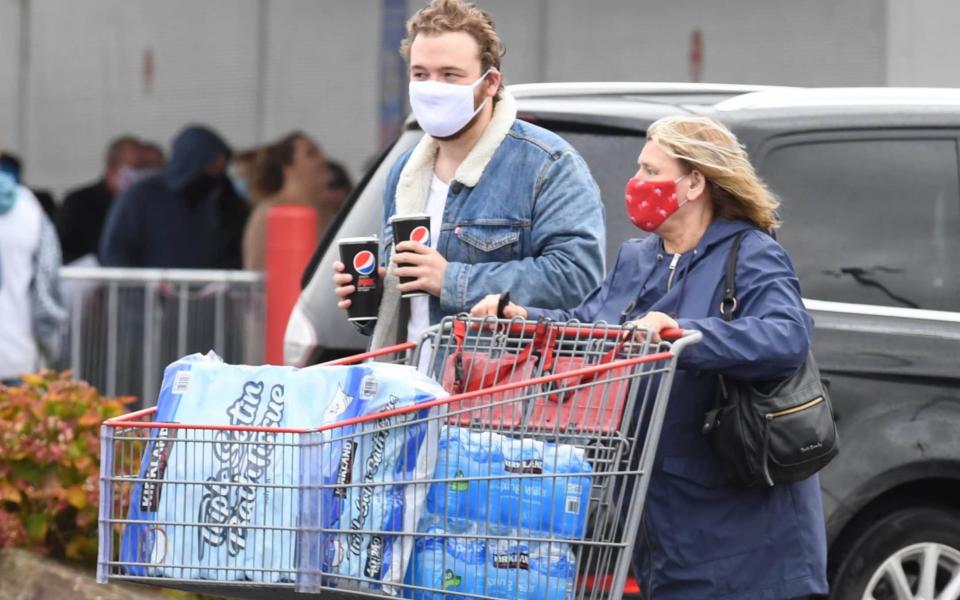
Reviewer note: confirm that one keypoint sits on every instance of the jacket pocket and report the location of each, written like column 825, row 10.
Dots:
column 709, row 519
column 488, row 243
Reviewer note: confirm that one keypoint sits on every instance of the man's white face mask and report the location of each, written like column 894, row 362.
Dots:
column 443, row 109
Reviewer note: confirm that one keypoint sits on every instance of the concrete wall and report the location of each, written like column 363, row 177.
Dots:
column 9, row 72
column 923, row 45
column 815, row 42
column 256, row 69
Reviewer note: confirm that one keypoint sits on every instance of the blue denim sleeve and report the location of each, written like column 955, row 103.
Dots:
column 568, row 236
column 770, row 334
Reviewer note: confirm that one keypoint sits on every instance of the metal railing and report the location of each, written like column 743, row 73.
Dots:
column 126, row 325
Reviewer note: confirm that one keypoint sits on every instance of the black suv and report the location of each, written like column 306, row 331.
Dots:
column 870, row 185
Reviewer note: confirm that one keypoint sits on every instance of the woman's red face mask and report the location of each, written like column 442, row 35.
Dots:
column 650, row 203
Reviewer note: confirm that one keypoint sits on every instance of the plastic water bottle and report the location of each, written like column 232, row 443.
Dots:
column 556, row 570
column 508, row 573
column 567, row 498
column 542, row 501
column 447, row 563
column 467, row 459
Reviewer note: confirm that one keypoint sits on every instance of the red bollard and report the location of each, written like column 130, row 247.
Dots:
column 291, row 241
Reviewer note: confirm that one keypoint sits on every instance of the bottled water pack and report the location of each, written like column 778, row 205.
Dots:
column 550, row 495
column 456, row 558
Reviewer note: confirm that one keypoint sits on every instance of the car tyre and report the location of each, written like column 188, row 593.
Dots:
column 889, row 557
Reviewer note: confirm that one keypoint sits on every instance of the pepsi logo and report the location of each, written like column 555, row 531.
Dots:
column 420, row 234
column 364, row 262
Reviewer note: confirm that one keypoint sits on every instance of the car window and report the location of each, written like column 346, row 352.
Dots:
column 612, row 158
column 873, row 221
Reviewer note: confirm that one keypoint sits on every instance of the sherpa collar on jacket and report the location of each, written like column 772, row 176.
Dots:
column 413, row 188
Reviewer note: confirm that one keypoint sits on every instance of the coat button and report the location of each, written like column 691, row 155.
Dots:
column 455, row 187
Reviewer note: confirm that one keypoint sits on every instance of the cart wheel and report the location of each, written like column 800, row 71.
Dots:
column 908, row 554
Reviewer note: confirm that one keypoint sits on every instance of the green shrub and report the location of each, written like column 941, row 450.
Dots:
column 50, row 464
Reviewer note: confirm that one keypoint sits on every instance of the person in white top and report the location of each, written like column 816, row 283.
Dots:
column 30, row 328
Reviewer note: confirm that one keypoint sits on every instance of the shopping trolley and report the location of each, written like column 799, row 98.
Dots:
column 537, row 466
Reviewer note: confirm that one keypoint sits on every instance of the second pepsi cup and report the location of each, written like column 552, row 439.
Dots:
column 360, row 256
column 411, row 228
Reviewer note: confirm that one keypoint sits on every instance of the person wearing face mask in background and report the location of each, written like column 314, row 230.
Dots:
column 12, row 163
column 187, row 216
column 291, row 171
column 30, row 300
column 84, row 211
column 512, row 206
column 702, row 537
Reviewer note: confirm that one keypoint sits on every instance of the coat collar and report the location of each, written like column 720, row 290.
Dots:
column 413, row 188
column 414, row 183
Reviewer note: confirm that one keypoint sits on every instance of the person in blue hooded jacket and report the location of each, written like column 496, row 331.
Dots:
column 703, row 537
column 186, row 217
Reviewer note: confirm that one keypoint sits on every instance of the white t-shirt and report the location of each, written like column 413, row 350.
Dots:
column 420, row 306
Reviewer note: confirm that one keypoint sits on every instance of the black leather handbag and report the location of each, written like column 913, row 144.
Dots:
column 779, row 433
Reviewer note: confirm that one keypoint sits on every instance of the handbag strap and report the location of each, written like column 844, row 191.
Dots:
column 728, row 304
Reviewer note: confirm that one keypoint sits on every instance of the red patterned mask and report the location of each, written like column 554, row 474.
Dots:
column 650, row 203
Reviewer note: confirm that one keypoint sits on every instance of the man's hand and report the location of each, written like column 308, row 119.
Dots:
column 413, row 259
column 344, row 283
column 488, row 308
column 655, row 322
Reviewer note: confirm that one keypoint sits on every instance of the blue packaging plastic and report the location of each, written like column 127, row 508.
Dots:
column 453, row 563
column 467, row 459
column 246, row 499
column 361, row 483
column 551, row 497
column 530, row 571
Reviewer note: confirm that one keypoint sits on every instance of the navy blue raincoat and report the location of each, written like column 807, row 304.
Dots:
column 706, row 538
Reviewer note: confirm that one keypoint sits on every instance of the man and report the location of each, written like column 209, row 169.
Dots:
column 186, row 217
column 29, row 288
column 83, row 214
column 151, row 156
column 512, row 206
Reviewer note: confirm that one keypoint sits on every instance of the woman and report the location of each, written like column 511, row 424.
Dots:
column 291, row 171
column 705, row 538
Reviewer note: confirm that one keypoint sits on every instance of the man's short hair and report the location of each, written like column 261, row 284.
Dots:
column 445, row 16
column 115, row 148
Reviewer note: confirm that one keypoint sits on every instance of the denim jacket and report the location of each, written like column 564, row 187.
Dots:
column 522, row 214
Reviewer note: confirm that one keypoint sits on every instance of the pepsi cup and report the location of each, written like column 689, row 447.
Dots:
column 411, row 228
column 360, row 256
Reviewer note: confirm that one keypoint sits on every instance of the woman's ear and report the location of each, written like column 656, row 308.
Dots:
column 698, row 185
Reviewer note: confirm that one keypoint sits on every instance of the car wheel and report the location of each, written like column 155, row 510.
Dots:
column 911, row 554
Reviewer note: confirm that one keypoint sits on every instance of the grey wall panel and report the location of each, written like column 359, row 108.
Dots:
column 87, row 79
column 9, row 72
column 523, row 31
column 322, row 75
column 817, row 42
column 923, row 44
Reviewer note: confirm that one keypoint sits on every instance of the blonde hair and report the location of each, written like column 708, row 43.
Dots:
column 704, row 144
column 445, row 16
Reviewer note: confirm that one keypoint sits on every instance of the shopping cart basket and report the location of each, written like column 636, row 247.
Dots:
column 540, row 460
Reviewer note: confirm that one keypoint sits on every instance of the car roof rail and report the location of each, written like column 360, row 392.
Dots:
column 840, row 97
column 614, row 88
